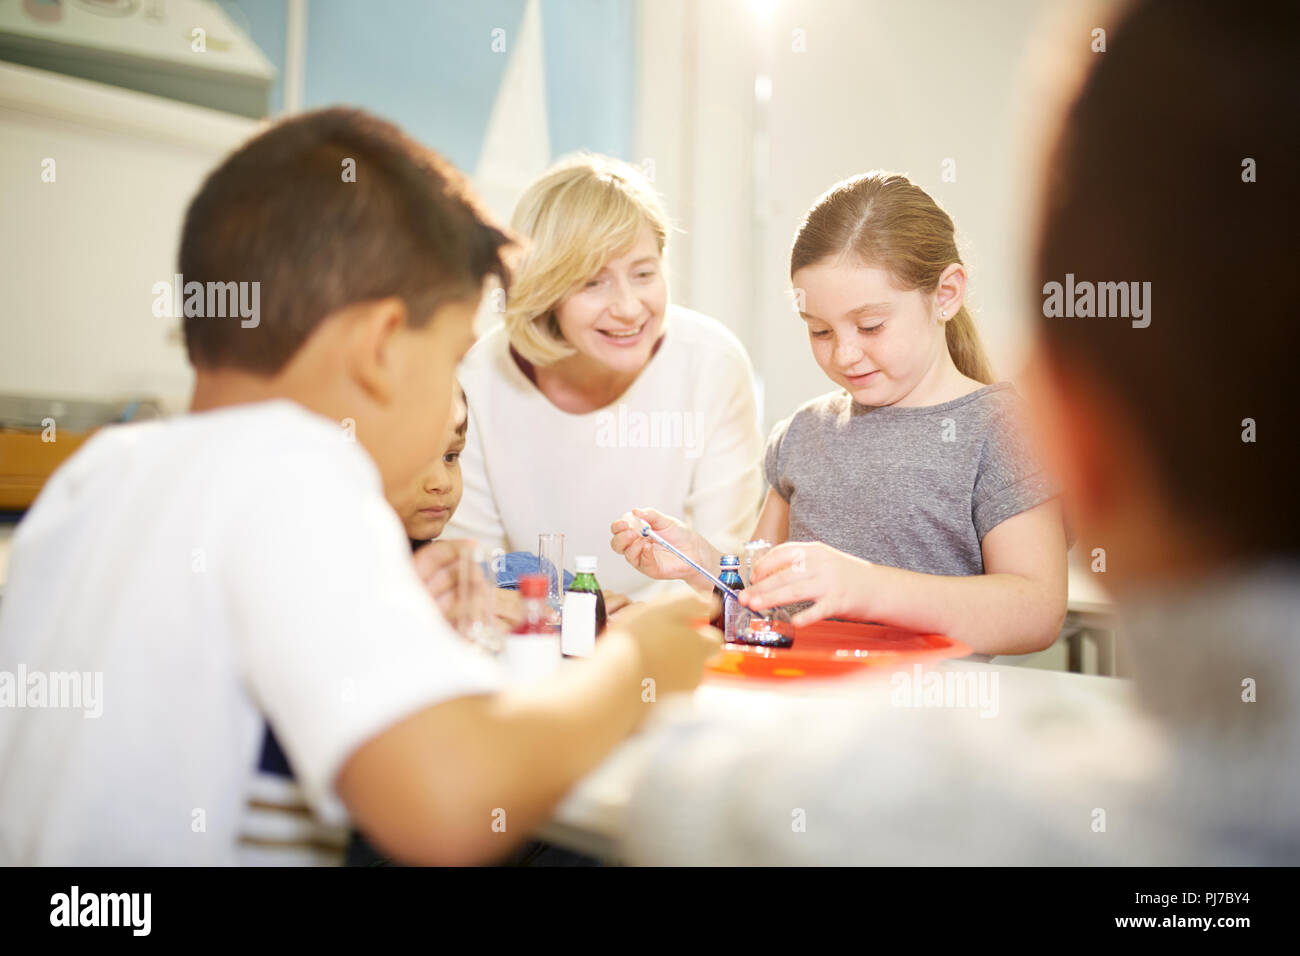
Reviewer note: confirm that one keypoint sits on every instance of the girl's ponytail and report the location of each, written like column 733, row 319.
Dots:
column 966, row 349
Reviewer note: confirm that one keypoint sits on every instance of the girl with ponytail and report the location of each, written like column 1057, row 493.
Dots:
column 911, row 494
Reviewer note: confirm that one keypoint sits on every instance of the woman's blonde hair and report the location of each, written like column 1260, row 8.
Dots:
column 581, row 213
column 883, row 219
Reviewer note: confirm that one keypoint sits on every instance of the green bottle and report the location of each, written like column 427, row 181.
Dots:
column 584, row 610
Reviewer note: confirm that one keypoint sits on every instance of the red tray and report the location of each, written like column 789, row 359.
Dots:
column 833, row 649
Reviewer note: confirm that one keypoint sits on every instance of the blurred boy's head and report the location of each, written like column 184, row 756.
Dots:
column 427, row 503
column 1175, row 165
column 370, row 256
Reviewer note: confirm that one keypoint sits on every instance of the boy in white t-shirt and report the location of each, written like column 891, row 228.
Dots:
column 180, row 585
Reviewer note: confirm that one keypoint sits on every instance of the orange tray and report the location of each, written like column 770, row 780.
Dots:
column 834, row 649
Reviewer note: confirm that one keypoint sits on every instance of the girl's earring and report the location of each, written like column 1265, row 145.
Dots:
column 943, row 315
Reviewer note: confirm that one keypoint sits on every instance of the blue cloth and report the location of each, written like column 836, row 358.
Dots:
column 518, row 563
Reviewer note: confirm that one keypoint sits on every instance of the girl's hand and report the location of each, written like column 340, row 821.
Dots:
column 615, row 602
column 655, row 561
column 838, row 584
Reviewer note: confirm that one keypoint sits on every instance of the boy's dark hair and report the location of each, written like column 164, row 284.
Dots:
column 1148, row 182
column 325, row 210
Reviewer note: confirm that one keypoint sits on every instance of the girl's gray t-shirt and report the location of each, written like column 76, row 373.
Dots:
column 912, row 488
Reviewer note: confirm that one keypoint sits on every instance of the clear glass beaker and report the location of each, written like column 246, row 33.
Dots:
column 761, row 628
column 550, row 564
column 476, row 618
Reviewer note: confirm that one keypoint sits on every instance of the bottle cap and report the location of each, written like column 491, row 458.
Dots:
column 532, row 585
column 585, row 563
column 731, row 560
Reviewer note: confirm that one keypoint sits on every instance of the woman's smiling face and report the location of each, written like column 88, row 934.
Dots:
column 614, row 318
column 870, row 337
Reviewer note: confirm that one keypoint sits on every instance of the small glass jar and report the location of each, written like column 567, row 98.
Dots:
column 759, row 628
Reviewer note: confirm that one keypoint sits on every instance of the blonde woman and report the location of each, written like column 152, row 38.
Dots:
column 596, row 394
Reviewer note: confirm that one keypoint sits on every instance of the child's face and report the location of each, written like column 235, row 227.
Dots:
column 418, row 412
column 872, row 338
column 615, row 317
column 427, row 503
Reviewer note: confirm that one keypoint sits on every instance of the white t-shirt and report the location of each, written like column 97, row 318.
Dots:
column 210, row 573
column 683, row 439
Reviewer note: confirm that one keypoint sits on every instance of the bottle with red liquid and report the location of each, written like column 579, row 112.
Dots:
column 532, row 649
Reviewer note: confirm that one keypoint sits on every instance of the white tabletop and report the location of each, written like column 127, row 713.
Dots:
column 591, row 818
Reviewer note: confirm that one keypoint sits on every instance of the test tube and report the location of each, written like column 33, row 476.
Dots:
column 550, row 564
